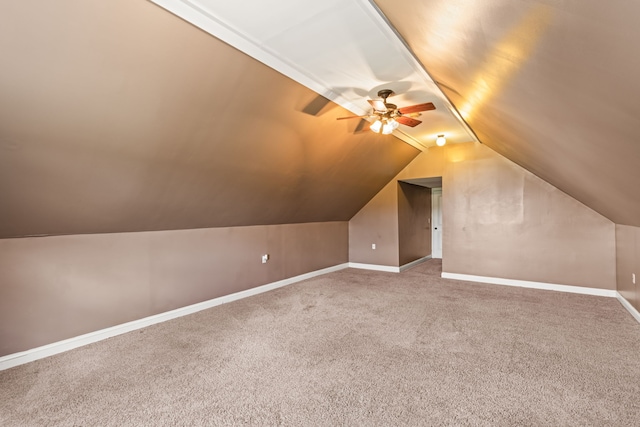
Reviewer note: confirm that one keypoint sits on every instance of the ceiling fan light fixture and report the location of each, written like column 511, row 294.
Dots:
column 376, row 126
column 441, row 140
column 388, row 117
column 389, row 126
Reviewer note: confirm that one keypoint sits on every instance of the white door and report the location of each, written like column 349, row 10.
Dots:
column 436, row 223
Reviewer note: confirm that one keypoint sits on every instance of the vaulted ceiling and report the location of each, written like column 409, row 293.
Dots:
column 120, row 116
column 551, row 85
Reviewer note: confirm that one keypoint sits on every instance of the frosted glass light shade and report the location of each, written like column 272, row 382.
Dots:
column 389, row 127
column 376, row 126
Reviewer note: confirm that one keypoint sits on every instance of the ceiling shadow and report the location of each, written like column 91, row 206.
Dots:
column 361, row 127
column 318, row 106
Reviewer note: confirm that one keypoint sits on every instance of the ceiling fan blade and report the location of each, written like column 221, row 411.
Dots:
column 351, row 117
column 377, row 105
column 408, row 121
column 417, row 108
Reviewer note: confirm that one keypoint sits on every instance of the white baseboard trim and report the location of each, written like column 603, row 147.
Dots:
column 533, row 285
column 16, row 359
column 374, row 267
column 414, row 263
column 388, row 268
column 626, row 304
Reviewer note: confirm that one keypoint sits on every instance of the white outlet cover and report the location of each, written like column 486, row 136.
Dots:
column 373, row 246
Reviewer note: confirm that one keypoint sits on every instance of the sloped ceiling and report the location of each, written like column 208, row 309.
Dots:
column 118, row 116
column 343, row 49
column 551, row 85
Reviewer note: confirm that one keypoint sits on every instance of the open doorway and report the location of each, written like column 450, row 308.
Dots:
column 436, row 222
column 414, row 224
column 435, row 219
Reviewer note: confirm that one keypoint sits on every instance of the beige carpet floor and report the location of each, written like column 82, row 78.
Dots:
column 352, row 348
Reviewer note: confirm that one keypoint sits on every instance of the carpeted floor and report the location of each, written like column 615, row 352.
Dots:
column 352, row 348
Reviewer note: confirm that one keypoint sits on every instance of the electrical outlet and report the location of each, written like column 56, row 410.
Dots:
column 265, row 258
column 633, row 278
column 373, row 246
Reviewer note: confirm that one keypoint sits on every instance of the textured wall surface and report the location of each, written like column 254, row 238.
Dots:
column 498, row 221
column 628, row 263
column 376, row 223
column 59, row 287
column 502, row 221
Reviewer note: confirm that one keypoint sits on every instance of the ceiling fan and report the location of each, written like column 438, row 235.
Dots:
column 389, row 116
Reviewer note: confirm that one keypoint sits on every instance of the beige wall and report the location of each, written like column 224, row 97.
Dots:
column 376, row 223
column 414, row 228
column 53, row 288
column 498, row 221
column 110, row 121
column 628, row 262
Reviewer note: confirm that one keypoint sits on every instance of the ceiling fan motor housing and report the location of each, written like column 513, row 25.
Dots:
column 389, row 114
column 385, row 93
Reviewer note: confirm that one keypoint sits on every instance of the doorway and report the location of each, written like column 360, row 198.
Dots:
column 436, row 222
column 433, row 220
